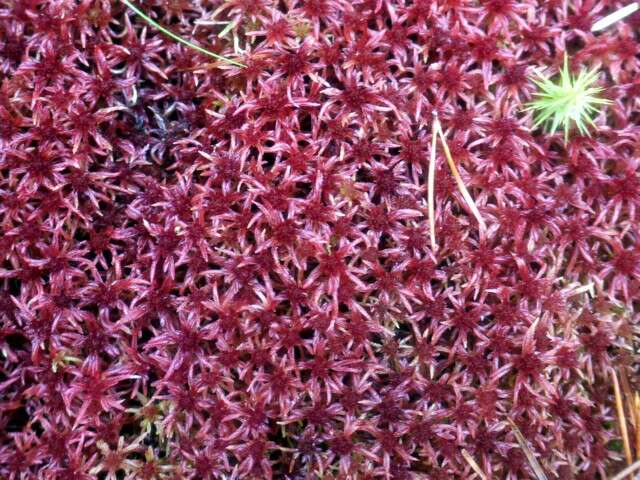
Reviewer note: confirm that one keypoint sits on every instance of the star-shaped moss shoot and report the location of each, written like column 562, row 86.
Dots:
column 572, row 101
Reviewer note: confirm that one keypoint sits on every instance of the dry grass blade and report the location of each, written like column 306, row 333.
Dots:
column 622, row 421
column 627, row 471
column 431, row 182
column 474, row 466
column 533, row 461
column 628, row 396
column 454, row 170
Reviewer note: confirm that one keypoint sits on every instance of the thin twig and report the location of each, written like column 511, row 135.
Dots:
column 474, row 466
column 178, row 38
column 431, row 185
column 454, row 170
column 622, row 421
column 533, row 461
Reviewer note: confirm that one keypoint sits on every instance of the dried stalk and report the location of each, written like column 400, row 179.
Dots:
column 474, row 465
column 533, row 461
column 454, row 170
column 622, row 421
column 628, row 396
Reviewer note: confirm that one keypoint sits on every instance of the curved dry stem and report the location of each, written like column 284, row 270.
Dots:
column 454, row 170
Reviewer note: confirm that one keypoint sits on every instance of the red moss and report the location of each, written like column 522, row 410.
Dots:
column 230, row 270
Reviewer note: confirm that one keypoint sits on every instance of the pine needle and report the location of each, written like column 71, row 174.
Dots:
column 454, row 170
column 621, row 419
column 431, row 186
column 474, row 466
column 533, row 461
column 178, row 38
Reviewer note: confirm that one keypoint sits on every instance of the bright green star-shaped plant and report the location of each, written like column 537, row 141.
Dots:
column 572, row 101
